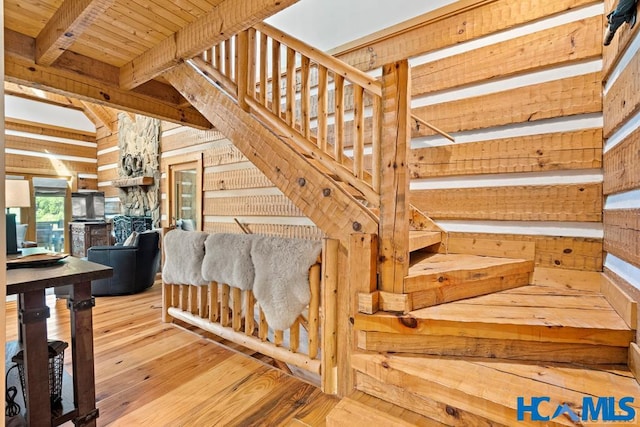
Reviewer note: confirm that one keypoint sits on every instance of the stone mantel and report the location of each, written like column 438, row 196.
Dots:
column 133, row 182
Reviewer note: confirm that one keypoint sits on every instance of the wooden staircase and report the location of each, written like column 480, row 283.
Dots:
column 466, row 362
column 463, row 332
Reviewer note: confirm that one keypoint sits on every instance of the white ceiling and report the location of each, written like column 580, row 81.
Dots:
column 326, row 24
column 40, row 112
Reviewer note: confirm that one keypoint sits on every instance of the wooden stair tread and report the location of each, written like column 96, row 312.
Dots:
column 488, row 388
column 511, row 315
column 441, row 278
column 529, row 309
column 442, row 263
column 362, row 409
column 419, row 239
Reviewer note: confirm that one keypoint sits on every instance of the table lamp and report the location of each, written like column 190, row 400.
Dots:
column 16, row 195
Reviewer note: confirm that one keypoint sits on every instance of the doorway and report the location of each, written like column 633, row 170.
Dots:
column 51, row 195
column 185, row 194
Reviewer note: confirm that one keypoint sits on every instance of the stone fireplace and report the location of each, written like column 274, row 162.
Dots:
column 139, row 167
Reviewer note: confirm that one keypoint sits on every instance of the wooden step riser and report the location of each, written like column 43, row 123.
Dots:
column 440, row 412
column 459, row 291
column 463, row 275
column 407, row 325
column 587, row 354
column 489, row 388
column 423, row 239
column 404, row 303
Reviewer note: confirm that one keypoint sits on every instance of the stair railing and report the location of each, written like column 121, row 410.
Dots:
column 329, row 110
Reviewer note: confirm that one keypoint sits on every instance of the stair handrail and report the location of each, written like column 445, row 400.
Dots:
column 240, row 67
column 350, row 73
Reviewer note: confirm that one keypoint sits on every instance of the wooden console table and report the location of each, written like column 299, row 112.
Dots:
column 30, row 284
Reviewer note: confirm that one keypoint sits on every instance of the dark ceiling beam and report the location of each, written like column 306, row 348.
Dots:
column 226, row 19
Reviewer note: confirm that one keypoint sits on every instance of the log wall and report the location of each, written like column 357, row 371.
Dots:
column 233, row 188
column 621, row 65
column 518, row 85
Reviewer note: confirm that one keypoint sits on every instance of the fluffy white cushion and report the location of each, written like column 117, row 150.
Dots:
column 227, row 260
column 184, row 252
column 281, row 284
column 132, row 240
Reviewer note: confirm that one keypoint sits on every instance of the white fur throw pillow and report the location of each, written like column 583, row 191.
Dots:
column 281, row 284
column 184, row 252
column 227, row 260
column 132, row 240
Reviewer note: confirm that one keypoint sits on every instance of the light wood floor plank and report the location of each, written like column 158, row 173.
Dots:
column 153, row 374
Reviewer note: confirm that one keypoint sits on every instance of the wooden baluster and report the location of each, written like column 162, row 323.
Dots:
column 276, row 97
column 290, row 101
column 314, row 310
column 214, row 311
column 242, row 69
column 184, row 297
column 375, row 142
column 175, row 295
column 202, row 302
column 323, row 97
column 217, row 57
column 249, row 321
column 251, row 62
column 227, row 59
column 294, row 336
column 358, row 131
column 338, row 147
column 263, row 69
column 263, row 327
column 234, row 48
column 237, row 309
column 305, row 97
column 278, row 338
column 224, row 305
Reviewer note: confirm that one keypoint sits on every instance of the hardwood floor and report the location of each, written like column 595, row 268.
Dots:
column 153, row 374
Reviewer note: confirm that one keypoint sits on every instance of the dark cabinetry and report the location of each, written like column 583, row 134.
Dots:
column 83, row 235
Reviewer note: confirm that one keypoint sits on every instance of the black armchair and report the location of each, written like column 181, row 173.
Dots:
column 134, row 267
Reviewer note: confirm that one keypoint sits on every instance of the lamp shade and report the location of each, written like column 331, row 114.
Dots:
column 17, row 193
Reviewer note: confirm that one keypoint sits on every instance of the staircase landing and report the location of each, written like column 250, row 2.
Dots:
column 467, row 362
column 532, row 322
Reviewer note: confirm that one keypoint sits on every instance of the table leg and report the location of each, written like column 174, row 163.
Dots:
column 84, row 389
column 33, row 325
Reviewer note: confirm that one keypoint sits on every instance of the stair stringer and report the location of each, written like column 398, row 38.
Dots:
column 318, row 196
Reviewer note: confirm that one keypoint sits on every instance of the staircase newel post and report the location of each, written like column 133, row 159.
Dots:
column 243, row 69
column 393, row 251
column 357, row 276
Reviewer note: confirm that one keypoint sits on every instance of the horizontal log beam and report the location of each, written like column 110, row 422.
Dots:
column 20, row 68
column 67, row 24
column 227, row 19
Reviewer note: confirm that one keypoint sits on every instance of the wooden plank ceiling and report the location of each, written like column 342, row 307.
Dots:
column 114, row 52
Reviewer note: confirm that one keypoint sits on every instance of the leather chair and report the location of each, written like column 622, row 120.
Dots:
column 134, row 267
